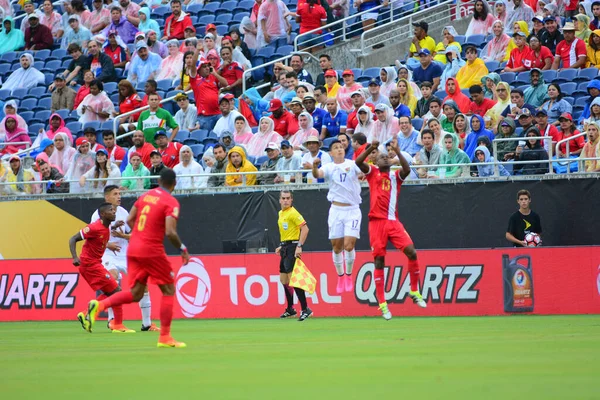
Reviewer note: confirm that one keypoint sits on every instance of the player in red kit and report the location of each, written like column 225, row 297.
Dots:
column 153, row 216
column 384, row 226
column 96, row 236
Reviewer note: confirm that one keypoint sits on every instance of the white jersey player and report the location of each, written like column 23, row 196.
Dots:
column 116, row 262
column 345, row 217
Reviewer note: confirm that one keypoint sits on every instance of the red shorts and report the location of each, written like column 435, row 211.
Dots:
column 158, row 268
column 98, row 278
column 382, row 230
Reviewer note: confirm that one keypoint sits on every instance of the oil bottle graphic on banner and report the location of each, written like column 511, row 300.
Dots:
column 518, row 283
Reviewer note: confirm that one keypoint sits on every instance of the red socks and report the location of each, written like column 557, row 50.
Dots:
column 116, row 299
column 413, row 271
column 166, row 315
column 118, row 311
column 379, row 285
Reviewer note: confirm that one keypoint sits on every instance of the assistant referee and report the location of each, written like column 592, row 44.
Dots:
column 292, row 232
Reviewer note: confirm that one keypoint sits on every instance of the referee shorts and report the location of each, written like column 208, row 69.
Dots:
column 288, row 257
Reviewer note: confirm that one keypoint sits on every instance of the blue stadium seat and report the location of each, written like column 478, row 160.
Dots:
column 42, row 116
column 199, row 135
column 460, row 39
column 59, row 54
column 587, row 74
column 197, row 149
column 567, row 75
column 44, row 104
column 549, row 75
column 417, row 123
column 181, row 136
column 476, row 40
column 194, row 8
column 247, row 4
column 114, row 97
column 26, row 115
column 36, row 92
column 42, row 55
column 580, row 102
column 10, row 57
column 4, row 68
column 39, row 65
column 286, row 49
column 74, row 127
column 491, row 65
column 111, row 87
column 106, row 125
column 222, row 30
column 49, row 79
column 370, row 72
column 92, row 124
column 4, row 93
column 35, row 128
column 63, row 113
column 28, row 104
column 327, row 142
column 229, row 5
column 508, row 77
column 193, row 18
column 223, row 18
column 164, row 85
column 568, row 88
column 161, row 11
column 522, row 78
column 206, row 19
column 53, row 66
column 265, row 52
column 18, row 93
column 238, row 15
column 441, row 94
column 569, row 99
column 211, row 8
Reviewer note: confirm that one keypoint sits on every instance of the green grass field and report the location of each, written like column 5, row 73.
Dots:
column 526, row 357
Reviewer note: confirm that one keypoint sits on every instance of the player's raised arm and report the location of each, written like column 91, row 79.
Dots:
column 317, row 173
column 73, row 247
column 360, row 160
column 131, row 218
column 173, row 236
column 403, row 163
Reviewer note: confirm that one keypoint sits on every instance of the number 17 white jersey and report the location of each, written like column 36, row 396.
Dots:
column 344, row 185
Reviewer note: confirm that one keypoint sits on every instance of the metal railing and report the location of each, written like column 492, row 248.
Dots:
column 388, row 32
column 297, row 185
column 262, row 66
column 523, row 139
column 567, row 140
column 4, row 144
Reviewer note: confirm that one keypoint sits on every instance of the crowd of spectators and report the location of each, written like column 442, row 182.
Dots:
column 445, row 103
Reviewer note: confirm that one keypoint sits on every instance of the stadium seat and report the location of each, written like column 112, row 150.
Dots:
column 164, row 85
column 566, row 75
column 92, row 124
column 246, row 4
column 441, row 94
column 206, row 19
column 4, row 68
column 229, row 5
column 491, row 65
column 194, row 8
column 59, row 54
column 28, row 104
column 4, row 93
column 10, row 57
column 476, row 40
column 372, row 72
column 211, row 8
column 110, row 87
column 508, row 77
column 327, row 142
column 63, row 113
column 549, row 75
column 42, row 116
column 417, row 123
column 569, row 99
column 197, row 149
column 18, row 93
column 43, row 104
column 161, row 11
column 223, row 18
column 53, row 66
column 265, row 52
column 49, row 79
column 582, row 101
column 35, row 128
column 460, row 39
column 239, row 15
column 586, row 74
column 522, row 78
column 36, row 92
column 261, row 160
column 222, row 30
column 199, row 135
column 107, row 125
column 568, row 88
column 26, row 115
column 181, row 136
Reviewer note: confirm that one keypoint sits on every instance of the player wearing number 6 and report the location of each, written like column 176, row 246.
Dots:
column 344, row 214
column 153, row 216
column 384, row 225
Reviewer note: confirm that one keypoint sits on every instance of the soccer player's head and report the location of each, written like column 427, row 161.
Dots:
column 168, row 179
column 112, row 195
column 336, row 148
column 383, row 162
column 286, row 198
column 107, row 212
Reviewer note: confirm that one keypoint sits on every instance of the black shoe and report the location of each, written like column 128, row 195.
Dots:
column 289, row 312
column 305, row 314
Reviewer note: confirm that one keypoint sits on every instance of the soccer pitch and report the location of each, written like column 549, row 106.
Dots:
column 532, row 357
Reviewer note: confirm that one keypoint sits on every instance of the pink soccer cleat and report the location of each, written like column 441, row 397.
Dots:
column 348, row 283
column 340, row 284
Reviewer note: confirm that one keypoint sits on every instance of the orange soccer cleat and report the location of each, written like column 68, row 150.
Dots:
column 121, row 329
column 168, row 341
column 150, row 328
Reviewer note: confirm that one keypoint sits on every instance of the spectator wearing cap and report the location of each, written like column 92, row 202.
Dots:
column 145, row 66
column 141, row 146
column 473, row 70
column 37, row 36
column 285, row 123
column 313, row 144
column 526, row 120
column 318, row 114
column 358, row 100
column 135, row 169
column 226, row 123
column 546, row 129
column 187, row 116
column 188, row 166
column 63, row 97
column 421, row 40
column 538, row 28
column 427, row 71
column 29, row 9
column 168, row 150
column 103, row 169
column 297, row 66
column 540, row 57
column 517, row 54
column 271, row 22
column 344, row 93
column 479, row 103
column 205, row 82
column 220, row 166
column 116, row 49
column 552, row 36
column 77, row 33
column 156, row 119
column 521, row 12
column 125, row 29
column 90, row 134
column 572, row 51
column 331, row 83
column 568, row 129
column 100, row 64
column 334, row 121
column 156, row 168
column 517, row 104
column 290, row 161
column 116, row 153
column 375, row 96
column 296, row 107
column 270, row 164
column 16, row 174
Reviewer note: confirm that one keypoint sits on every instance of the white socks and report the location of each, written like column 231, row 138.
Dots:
column 145, row 306
column 349, row 256
column 111, row 314
column 338, row 262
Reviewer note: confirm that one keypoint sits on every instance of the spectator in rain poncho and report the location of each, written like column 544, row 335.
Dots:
column 10, row 108
column 453, row 65
column 266, row 134
column 145, row 66
column 135, row 168
column 306, row 129
column 243, row 133
column 387, row 126
column 25, row 77
column 103, row 169
column 83, row 161
column 365, row 124
column 63, row 152
column 11, row 39
column 451, row 154
column 495, row 49
column 188, row 166
column 482, row 21
column 14, row 134
column 171, row 65
column 482, row 155
column 146, row 23
column 388, row 76
column 477, row 130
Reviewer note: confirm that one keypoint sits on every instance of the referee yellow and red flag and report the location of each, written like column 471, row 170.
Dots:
column 302, row 277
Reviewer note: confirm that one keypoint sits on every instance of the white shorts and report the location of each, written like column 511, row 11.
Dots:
column 111, row 262
column 344, row 221
column 369, row 15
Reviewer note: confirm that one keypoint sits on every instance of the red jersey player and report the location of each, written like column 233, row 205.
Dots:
column 153, row 216
column 384, row 226
column 96, row 236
